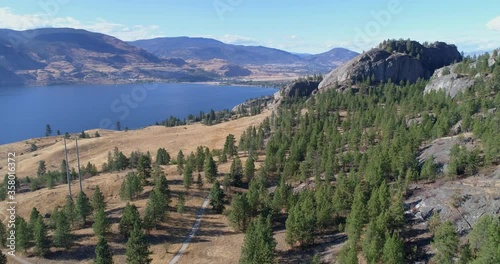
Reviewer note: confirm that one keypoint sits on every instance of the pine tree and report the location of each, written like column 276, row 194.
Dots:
column 41, row 168
column 34, row 214
column 3, row 258
column 180, row 204
column 103, row 254
column 137, row 250
column 301, row 221
column 210, row 169
column 250, row 168
column 393, row 251
column 144, row 168
column 199, row 181
column 23, row 234
column 236, row 172
column 98, row 202
column 48, row 130
column 69, row 210
column 217, row 197
column 357, row 217
column 42, row 243
column 239, row 215
column 229, row 146
column 130, row 218
column 101, row 223
column 83, row 208
column 131, row 187
column 3, row 235
column 200, row 159
column 259, row 244
column 187, row 179
column 446, row 243
column 162, row 157
column 180, row 161
column 62, row 234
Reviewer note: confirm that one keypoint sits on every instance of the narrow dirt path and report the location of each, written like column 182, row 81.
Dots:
column 193, row 231
column 16, row 258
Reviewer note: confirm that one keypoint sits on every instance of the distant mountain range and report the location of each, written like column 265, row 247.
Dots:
column 205, row 49
column 71, row 56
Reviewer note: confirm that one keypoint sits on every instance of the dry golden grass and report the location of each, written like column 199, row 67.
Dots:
column 216, row 242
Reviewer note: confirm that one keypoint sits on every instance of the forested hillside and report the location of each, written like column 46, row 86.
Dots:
column 359, row 154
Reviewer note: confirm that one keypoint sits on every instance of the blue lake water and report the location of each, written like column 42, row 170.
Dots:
column 25, row 111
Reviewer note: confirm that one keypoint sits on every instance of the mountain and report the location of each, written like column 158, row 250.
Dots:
column 65, row 56
column 205, row 49
column 395, row 60
column 333, row 57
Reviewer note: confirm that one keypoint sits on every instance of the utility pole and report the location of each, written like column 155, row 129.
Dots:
column 78, row 159
column 67, row 166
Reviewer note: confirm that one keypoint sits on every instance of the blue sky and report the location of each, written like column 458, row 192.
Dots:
column 292, row 25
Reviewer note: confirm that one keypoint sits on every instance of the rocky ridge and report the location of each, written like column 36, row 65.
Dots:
column 396, row 63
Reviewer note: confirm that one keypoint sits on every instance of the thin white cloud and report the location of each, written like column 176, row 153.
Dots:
column 494, row 24
column 23, row 22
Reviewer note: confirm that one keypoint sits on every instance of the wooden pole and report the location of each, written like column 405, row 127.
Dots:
column 67, row 166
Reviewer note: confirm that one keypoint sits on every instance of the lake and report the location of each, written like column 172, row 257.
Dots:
column 25, row 111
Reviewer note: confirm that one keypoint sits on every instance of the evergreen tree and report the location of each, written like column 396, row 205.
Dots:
column 187, row 179
column 83, row 208
column 3, row 258
column 180, row 161
column 34, row 214
column 41, row 168
column 240, row 215
column 229, row 146
column 210, row 169
column 69, row 210
column 180, row 204
column 23, row 234
column 156, row 208
column 137, row 250
column 301, row 221
column 42, row 243
column 446, row 243
column 162, row 157
column 200, row 159
column 393, row 251
column 357, row 217
column 259, row 244
column 48, row 130
column 131, row 187
column 217, row 197
column 98, row 202
column 62, row 234
column 103, row 253
column 199, row 181
column 144, row 168
column 249, row 168
column 101, row 223
column 130, row 218
column 3, row 235
column 236, row 172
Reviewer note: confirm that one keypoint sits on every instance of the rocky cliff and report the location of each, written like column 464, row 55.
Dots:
column 448, row 80
column 394, row 60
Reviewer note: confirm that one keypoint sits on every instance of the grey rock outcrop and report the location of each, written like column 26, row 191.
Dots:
column 452, row 83
column 301, row 88
column 380, row 65
column 463, row 202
